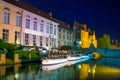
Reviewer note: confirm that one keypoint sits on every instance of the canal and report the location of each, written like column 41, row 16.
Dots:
column 102, row 69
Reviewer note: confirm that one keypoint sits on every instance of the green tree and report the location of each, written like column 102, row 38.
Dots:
column 104, row 41
column 1, row 44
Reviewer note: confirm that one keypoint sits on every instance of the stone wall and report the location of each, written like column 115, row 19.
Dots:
column 16, row 58
column 2, row 58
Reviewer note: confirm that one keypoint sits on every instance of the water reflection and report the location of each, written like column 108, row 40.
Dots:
column 104, row 69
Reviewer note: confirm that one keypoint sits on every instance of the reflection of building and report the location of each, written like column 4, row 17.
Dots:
column 10, row 22
column 87, row 72
column 84, row 35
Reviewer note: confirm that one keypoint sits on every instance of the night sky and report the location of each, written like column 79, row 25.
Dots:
column 102, row 16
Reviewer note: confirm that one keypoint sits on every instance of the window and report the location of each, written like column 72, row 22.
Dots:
column 28, row 23
column 59, row 29
column 51, row 30
column 59, row 35
column 46, row 41
column 64, row 31
column 6, row 17
column 54, row 31
column 5, row 35
column 52, row 41
column 34, row 25
column 58, row 43
column 63, row 36
column 17, row 37
column 41, row 27
column 47, row 29
column 18, row 20
column 41, row 40
column 34, row 40
column 70, row 37
column 67, row 36
column 26, row 39
column 55, row 42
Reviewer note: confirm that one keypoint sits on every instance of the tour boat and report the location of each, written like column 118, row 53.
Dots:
column 71, row 58
column 53, row 61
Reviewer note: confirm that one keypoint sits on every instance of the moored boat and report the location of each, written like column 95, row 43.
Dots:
column 73, row 57
column 53, row 61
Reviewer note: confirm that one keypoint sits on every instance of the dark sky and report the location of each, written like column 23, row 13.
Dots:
column 102, row 16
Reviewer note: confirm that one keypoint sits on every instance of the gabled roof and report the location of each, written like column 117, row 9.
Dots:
column 63, row 24
column 38, row 12
column 30, row 8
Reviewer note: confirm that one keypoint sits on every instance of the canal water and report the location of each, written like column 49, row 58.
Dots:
column 102, row 69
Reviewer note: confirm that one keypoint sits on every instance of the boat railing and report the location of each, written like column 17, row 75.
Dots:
column 57, row 56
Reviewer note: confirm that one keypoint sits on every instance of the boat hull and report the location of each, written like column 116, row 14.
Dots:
column 69, row 58
column 53, row 61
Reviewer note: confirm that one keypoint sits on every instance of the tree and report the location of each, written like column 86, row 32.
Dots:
column 1, row 44
column 104, row 41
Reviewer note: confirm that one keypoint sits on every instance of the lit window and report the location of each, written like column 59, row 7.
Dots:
column 26, row 39
column 17, row 37
column 5, row 35
column 46, row 41
column 41, row 40
column 34, row 40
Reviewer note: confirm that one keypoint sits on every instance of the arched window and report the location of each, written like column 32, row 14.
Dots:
column 6, row 15
column 27, row 22
column 18, row 19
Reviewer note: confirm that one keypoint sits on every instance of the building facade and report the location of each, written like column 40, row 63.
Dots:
column 23, row 24
column 38, row 31
column 83, row 36
column 10, row 22
column 65, row 35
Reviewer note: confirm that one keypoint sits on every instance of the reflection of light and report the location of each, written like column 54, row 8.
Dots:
column 16, row 75
column 80, row 42
column 17, row 42
column 94, row 71
column 89, row 70
column 79, row 66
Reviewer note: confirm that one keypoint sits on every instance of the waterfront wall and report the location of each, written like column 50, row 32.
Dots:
column 115, row 53
column 2, row 58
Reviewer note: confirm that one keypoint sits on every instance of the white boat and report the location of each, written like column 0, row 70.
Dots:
column 53, row 67
column 53, row 61
column 71, row 58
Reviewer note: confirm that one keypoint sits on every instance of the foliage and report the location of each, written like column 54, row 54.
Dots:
column 1, row 52
column 34, row 54
column 104, row 41
column 24, row 54
column 1, row 44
